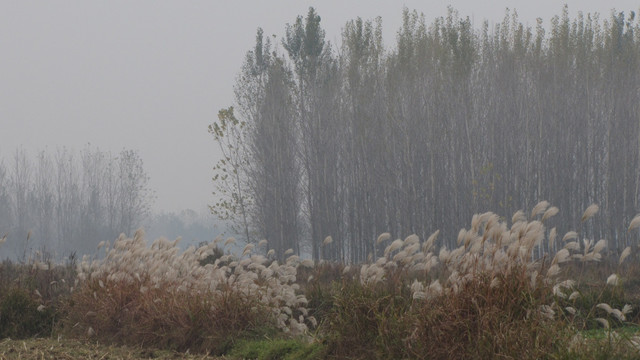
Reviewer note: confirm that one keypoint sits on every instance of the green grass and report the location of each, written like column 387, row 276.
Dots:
column 602, row 333
column 279, row 349
column 602, row 344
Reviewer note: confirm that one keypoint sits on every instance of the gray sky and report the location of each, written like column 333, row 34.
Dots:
column 152, row 75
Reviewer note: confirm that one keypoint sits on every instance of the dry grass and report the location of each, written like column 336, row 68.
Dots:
column 31, row 294
column 157, row 295
column 490, row 297
column 69, row 349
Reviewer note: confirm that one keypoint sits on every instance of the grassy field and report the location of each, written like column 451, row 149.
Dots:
column 46, row 348
column 487, row 298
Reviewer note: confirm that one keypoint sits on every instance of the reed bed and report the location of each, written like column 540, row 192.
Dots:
column 492, row 296
column 160, row 296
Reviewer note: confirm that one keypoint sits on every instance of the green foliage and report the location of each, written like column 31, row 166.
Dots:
column 279, row 349
column 20, row 317
column 602, row 344
column 229, row 178
column 319, row 288
column 304, row 43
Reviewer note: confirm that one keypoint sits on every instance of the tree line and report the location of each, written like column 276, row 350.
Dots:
column 65, row 202
column 327, row 146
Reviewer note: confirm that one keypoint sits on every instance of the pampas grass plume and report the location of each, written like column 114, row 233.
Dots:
column 547, row 312
column 601, row 244
column 613, row 280
column 572, row 245
column 461, row 236
column 603, row 322
column 429, row 243
column 553, row 271
column 518, row 216
column 634, row 223
column 561, row 256
column 570, row 235
column 605, row 307
column 539, row 208
column 435, row 288
column 619, row 315
column 383, row 237
column 230, row 241
column 589, row 212
column 574, row 295
column 247, row 249
column 552, row 211
column 411, row 240
column 626, row 252
column 553, row 234
column 395, row 245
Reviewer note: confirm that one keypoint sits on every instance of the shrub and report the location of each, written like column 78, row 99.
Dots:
column 21, row 316
column 27, row 287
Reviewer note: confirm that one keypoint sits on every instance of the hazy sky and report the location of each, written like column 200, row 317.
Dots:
column 152, row 75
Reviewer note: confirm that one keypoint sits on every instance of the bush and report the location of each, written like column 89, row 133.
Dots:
column 20, row 317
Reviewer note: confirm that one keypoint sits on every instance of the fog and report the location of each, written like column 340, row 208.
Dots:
column 151, row 76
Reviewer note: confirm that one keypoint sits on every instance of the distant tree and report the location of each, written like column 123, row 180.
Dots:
column 43, row 204
column 62, row 203
column 230, row 181
column 135, row 196
column 20, row 181
column 68, row 200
